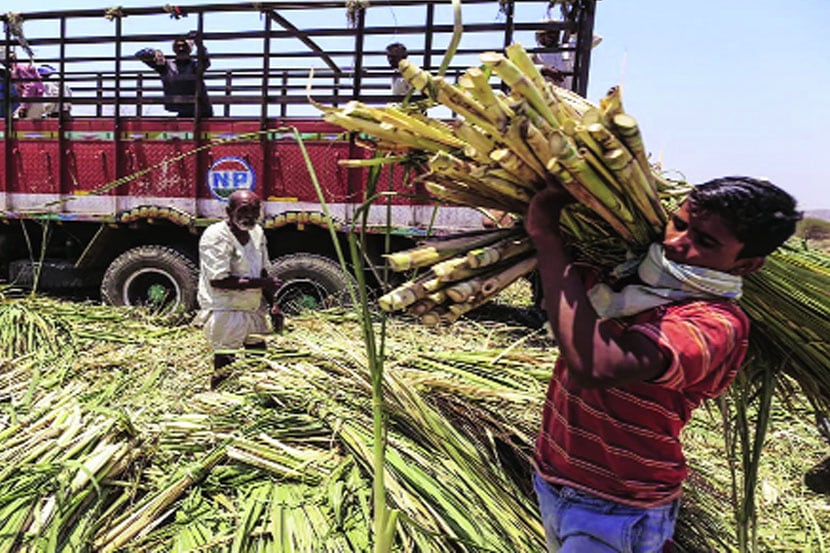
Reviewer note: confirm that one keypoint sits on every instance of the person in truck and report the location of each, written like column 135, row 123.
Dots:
column 180, row 77
column 395, row 53
column 235, row 290
column 635, row 360
column 28, row 82
column 8, row 97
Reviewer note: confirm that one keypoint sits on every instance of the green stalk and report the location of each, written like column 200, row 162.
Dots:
column 385, row 520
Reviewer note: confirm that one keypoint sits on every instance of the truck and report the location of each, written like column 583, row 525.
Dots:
column 113, row 194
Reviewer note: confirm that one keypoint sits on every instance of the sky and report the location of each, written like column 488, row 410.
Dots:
column 719, row 87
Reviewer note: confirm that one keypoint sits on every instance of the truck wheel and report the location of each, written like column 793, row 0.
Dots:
column 310, row 282
column 152, row 276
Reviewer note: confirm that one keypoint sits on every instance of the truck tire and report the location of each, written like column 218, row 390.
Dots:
column 152, row 276
column 310, row 281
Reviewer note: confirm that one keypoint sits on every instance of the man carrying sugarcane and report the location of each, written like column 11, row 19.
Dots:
column 636, row 360
column 235, row 289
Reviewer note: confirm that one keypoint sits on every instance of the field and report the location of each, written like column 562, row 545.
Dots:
column 283, row 447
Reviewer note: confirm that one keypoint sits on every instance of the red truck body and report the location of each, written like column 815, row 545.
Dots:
column 115, row 196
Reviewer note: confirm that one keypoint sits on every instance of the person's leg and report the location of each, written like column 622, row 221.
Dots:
column 549, row 505
column 220, row 361
column 575, row 521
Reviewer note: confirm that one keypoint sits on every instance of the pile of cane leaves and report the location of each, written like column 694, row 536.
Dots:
column 110, row 440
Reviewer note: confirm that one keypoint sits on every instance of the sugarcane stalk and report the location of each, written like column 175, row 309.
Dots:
column 611, row 105
column 406, row 294
column 513, row 164
column 518, row 55
column 463, row 291
column 632, row 180
column 594, row 183
column 504, row 278
column 451, row 192
column 478, row 144
column 585, row 197
column 477, row 83
column 513, row 77
column 489, row 255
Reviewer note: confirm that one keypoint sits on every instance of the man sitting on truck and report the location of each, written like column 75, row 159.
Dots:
column 235, row 289
column 180, row 77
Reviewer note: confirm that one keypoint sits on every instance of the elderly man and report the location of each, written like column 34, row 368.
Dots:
column 235, row 289
column 179, row 77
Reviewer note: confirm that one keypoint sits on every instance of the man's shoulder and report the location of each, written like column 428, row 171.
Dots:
column 702, row 312
column 218, row 229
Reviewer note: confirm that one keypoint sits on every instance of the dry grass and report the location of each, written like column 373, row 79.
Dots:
column 151, row 371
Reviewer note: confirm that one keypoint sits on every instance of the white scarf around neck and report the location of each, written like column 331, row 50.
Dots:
column 665, row 282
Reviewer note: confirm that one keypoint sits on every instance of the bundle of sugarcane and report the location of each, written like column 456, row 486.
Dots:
column 505, row 147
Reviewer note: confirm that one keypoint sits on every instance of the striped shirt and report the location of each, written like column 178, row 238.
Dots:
column 623, row 443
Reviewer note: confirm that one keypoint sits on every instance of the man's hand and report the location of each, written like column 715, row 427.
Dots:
column 158, row 57
column 277, row 318
column 270, row 285
column 553, row 75
column 544, row 211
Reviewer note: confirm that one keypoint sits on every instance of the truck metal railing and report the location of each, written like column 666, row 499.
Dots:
column 261, row 54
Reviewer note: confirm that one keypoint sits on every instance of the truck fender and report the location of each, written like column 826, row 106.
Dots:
column 158, row 277
column 310, row 281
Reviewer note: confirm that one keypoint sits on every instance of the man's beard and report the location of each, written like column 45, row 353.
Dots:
column 246, row 225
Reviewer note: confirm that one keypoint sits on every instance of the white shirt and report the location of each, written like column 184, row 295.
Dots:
column 400, row 85
column 220, row 256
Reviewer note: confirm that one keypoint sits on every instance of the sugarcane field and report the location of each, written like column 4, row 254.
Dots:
column 376, row 300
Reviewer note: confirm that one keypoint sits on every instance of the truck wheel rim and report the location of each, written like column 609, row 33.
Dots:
column 152, row 287
column 301, row 294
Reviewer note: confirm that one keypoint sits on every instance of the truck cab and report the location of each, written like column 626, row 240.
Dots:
column 110, row 190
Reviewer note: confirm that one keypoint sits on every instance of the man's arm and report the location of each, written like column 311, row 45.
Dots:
column 201, row 49
column 153, row 59
column 232, row 282
column 597, row 356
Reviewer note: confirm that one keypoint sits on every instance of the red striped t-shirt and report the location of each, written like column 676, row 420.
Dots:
column 623, row 443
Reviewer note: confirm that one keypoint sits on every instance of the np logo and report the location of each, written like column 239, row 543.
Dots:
column 229, row 174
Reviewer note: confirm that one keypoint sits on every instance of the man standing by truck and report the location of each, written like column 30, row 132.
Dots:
column 181, row 77
column 235, row 290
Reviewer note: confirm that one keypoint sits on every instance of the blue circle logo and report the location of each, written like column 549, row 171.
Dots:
column 229, row 174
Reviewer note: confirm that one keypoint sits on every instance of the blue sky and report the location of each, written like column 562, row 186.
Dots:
column 719, row 87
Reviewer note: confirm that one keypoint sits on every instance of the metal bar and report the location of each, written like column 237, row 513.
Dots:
column 266, row 69
column 139, row 94
column 120, row 164
column 7, row 116
column 304, row 38
column 358, row 52
column 266, row 145
column 228, row 90
column 508, row 10
column 428, row 36
column 584, row 44
column 63, row 180
column 99, row 94
column 200, row 74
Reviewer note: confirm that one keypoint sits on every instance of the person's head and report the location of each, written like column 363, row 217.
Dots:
column 395, row 52
column 243, row 210
column 181, row 48
column 730, row 224
column 547, row 38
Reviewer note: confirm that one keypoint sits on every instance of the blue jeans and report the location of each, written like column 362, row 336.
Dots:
column 576, row 521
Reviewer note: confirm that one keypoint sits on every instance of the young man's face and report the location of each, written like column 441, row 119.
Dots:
column 703, row 239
